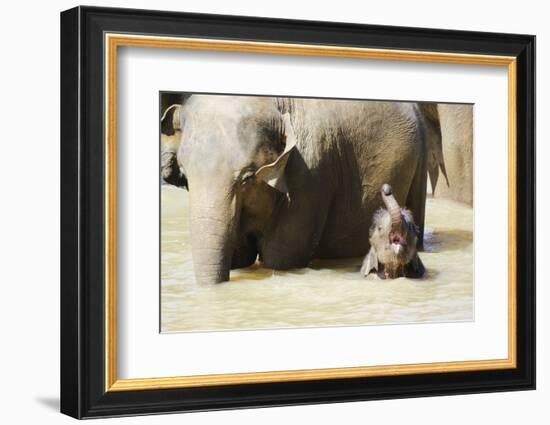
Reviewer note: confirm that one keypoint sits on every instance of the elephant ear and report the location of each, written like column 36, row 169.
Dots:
column 369, row 263
column 170, row 121
column 274, row 173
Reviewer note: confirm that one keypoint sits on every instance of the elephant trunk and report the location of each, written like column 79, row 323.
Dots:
column 212, row 236
column 392, row 206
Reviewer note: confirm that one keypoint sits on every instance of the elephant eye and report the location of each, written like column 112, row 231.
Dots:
column 247, row 177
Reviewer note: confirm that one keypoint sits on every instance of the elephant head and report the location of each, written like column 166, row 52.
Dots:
column 170, row 139
column 393, row 239
column 232, row 155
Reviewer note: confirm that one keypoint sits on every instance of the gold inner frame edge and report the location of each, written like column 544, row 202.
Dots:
column 112, row 41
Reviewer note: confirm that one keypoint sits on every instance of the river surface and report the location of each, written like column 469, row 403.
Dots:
column 327, row 293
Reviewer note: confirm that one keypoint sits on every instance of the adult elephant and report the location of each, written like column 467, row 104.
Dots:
column 456, row 123
column 170, row 140
column 293, row 179
column 170, row 137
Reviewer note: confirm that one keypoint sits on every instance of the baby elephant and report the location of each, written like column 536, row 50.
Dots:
column 393, row 238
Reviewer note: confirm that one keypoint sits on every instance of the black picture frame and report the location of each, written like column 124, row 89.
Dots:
column 83, row 392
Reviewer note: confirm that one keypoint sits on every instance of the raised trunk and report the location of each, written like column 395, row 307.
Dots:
column 212, row 236
column 392, row 206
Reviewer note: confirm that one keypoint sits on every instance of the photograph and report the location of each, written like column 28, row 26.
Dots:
column 293, row 212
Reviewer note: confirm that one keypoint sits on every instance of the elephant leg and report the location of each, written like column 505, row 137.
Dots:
column 415, row 268
column 416, row 199
column 295, row 240
column 245, row 254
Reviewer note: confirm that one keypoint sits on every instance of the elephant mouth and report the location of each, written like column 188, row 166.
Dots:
column 397, row 243
column 396, row 239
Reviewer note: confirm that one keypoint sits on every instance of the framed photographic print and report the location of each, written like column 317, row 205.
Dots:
column 261, row 212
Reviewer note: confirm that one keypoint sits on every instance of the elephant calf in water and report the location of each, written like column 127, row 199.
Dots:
column 287, row 180
column 393, row 239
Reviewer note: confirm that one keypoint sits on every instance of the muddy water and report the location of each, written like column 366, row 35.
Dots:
column 327, row 293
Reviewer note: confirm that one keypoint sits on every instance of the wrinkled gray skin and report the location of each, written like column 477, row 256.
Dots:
column 457, row 136
column 393, row 242
column 434, row 152
column 456, row 124
column 293, row 179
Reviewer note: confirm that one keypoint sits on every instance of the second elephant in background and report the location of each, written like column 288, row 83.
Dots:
column 456, row 124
